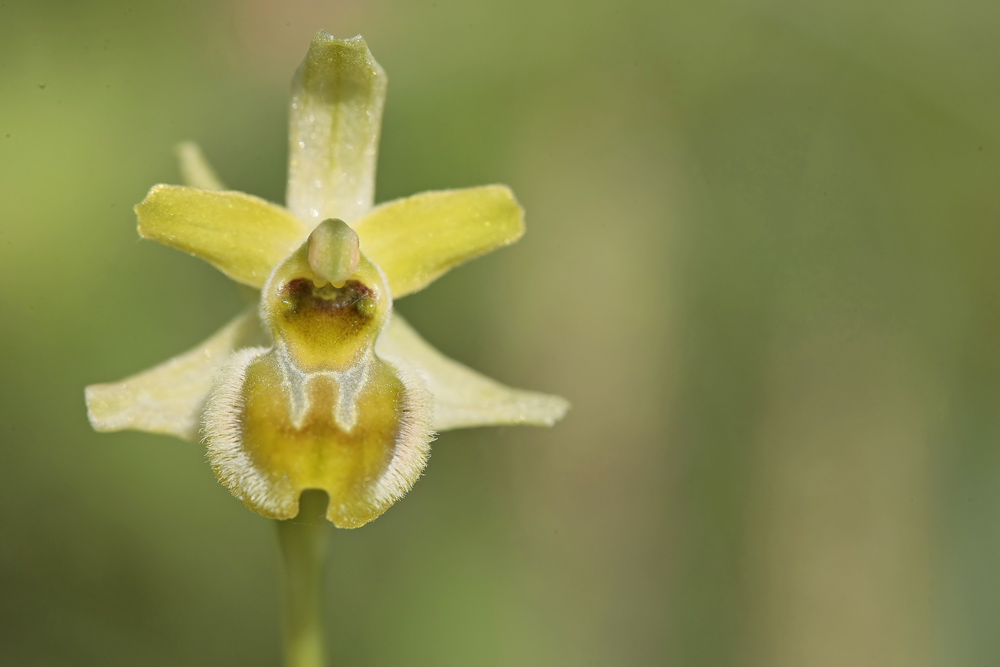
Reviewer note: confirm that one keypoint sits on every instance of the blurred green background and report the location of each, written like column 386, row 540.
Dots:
column 761, row 263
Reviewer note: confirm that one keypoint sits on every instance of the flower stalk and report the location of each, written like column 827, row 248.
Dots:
column 303, row 554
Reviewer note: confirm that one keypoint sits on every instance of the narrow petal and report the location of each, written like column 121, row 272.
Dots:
column 243, row 236
column 462, row 397
column 170, row 398
column 334, row 124
column 195, row 169
column 418, row 238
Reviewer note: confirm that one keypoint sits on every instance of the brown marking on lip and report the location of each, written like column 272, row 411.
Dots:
column 326, row 318
column 303, row 296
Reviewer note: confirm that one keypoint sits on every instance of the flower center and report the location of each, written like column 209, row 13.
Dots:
column 326, row 303
column 320, row 410
column 333, row 253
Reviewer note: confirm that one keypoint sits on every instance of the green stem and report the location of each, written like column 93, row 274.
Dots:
column 303, row 551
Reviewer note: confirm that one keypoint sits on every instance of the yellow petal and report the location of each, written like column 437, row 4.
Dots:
column 195, row 169
column 418, row 238
column 170, row 398
column 334, row 124
column 243, row 236
column 462, row 397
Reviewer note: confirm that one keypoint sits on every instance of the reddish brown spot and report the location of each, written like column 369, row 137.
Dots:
column 302, row 296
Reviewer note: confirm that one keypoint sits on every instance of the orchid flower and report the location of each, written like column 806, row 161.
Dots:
column 321, row 385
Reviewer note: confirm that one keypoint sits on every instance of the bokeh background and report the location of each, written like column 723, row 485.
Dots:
column 761, row 263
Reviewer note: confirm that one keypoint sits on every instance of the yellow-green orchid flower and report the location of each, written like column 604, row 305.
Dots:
column 321, row 386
